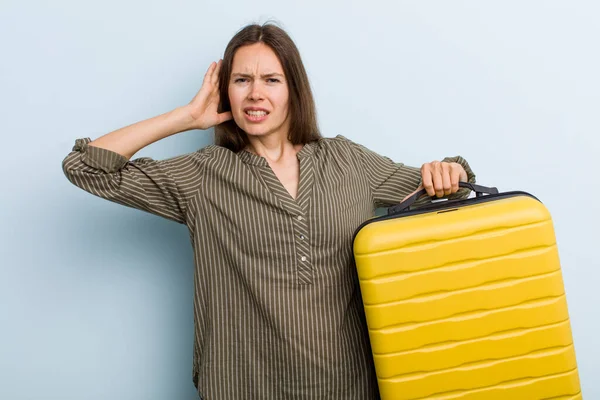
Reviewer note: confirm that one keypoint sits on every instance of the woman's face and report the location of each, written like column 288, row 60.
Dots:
column 258, row 92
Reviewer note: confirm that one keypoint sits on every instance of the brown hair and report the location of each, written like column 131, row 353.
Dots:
column 303, row 116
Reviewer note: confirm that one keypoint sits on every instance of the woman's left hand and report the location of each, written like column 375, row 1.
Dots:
column 441, row 178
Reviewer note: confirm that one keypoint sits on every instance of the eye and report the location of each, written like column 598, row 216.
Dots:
column 239, row 80
column 273, row 80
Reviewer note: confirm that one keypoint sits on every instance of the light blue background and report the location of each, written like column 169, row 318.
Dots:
column 95, row 298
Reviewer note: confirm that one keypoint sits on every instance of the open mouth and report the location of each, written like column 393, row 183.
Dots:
column 254, row 113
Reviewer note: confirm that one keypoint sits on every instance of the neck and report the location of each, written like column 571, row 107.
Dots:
column 273, row 148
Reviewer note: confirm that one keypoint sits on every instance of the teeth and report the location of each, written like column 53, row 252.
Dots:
column 256, row 113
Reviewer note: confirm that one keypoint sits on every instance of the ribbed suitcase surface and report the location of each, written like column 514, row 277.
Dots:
column 467, row 302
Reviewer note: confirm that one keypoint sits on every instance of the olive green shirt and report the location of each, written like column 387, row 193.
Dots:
column 277, row 306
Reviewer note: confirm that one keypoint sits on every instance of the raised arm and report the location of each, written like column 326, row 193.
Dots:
column 103, row 166
column 200, row 113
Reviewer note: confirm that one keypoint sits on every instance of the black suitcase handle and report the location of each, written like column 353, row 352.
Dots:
column 478, row 189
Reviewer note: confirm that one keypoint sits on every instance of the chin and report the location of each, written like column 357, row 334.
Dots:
column 255, row 131
column 259, row 135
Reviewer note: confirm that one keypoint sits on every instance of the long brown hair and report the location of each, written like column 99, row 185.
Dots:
column 303, row 115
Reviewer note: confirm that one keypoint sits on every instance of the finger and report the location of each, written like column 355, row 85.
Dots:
column 209, row 72
column 438, row 182
column 446, row 179
column 455, row 177
column 463, row 176
column 427, row 179
column 216, row 72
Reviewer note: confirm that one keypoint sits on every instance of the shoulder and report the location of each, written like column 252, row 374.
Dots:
column 338, row 146
column 336, row 142
column 336, row 152
column 210, row 153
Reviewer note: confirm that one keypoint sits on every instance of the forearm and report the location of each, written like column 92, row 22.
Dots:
column 130, row 139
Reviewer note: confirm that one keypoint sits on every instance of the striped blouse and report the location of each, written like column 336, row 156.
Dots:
column 277, row 306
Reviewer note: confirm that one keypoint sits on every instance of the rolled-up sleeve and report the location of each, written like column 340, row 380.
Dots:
column 158, row 187
column 392, row 181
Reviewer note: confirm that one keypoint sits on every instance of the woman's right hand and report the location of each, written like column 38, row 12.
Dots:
column 203, row 108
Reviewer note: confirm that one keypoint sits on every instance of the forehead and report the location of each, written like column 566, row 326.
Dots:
column 256, row 58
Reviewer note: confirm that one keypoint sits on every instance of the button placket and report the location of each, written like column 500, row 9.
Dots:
column 304, row 269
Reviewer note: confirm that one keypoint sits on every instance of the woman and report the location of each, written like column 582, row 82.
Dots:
column 271, row 210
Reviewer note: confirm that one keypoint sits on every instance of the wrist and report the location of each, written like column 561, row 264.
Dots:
column 184, row 118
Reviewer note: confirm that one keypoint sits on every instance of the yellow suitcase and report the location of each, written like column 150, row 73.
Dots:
column 464, row 299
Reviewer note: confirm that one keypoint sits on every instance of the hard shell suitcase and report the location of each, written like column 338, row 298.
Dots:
column 464, row 299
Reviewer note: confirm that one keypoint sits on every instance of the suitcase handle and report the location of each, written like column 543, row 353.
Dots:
column 478, row 189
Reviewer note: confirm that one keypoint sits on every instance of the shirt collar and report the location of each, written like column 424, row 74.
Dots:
column 250, row 158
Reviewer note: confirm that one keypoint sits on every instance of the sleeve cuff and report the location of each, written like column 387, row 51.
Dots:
column 96, row 157
column 458, row 159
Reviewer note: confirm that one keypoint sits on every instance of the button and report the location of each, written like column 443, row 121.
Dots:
column 303, row 258
column 300, row 218
column 302, row 237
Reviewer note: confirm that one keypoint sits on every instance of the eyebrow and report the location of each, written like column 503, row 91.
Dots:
column 242, row 75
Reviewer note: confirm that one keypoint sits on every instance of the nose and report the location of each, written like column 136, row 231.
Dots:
column 255, row 92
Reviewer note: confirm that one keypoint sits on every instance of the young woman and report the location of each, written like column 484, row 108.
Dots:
column 271, row 210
